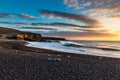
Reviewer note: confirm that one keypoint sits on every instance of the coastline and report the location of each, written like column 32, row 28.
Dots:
column 21, row 62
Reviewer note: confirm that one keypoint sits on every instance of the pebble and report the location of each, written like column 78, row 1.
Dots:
column 50, row 59
column 54, row 59
column 58, row 59
column 1, row 46
column 58, row 55
column 68, row 55
column 16, row 51
column 49, row 55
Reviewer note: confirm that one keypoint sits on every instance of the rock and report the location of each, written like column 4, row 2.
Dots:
column 29, row 36
column 20, row 37
column 53, row 38
column 2, row 36
column 8, row 33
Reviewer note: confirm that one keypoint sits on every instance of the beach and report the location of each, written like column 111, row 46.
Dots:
column 60, row 40
column 19, row 62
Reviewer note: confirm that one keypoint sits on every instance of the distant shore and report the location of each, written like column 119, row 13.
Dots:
column 18, row 62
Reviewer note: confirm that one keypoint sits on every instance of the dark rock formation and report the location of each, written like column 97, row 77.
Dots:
column 7, row 33
column 29, row 36
column 53, row 38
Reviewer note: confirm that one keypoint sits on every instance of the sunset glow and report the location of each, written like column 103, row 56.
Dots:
column 97, row 38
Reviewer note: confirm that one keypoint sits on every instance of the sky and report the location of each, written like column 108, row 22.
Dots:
column 70, row 19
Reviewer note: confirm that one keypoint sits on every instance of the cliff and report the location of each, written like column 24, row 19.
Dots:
column 7, row 33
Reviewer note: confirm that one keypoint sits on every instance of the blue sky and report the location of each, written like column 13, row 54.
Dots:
column 30, row 7
column 82, row 18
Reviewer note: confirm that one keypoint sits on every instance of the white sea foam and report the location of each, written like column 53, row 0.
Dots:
column 52, row 45
column 60, row 46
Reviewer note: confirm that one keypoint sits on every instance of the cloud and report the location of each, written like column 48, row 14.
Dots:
column 92, row 3
column 82, row 34
column 12, row 15
column 96, row 8
column 70, row 16
column 61, row 24
column 6, row 15
column 51, row 26
column 51, row 16
column 26, row 16
column 118, row 32
column 97, row 31
column 106, row 12
column 38, row 28
column 66, row 32
column 117, row 14
column 48, row 24
column 14, row 23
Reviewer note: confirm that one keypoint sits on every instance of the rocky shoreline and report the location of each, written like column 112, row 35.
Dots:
column 19, row 62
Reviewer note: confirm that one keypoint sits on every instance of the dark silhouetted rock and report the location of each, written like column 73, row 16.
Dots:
column 8, row 33
column 54, row 38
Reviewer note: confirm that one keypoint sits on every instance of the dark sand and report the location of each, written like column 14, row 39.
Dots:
column 18, row 62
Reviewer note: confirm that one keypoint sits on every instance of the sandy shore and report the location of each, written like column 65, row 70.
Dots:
column 18, row 62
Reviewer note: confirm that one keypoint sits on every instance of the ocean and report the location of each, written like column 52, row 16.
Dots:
column 97, row 48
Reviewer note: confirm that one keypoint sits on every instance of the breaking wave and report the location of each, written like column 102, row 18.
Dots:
column 74, row 44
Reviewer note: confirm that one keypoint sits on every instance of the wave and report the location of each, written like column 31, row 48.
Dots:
column 107, row 48
column 74, row 44
column 70, row 43
column 64, row 47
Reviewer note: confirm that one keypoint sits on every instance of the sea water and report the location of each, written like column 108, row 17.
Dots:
column 97, row 48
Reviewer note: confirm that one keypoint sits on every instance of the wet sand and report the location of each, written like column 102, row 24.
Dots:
column 18, row 62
